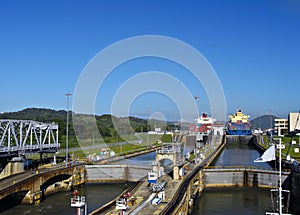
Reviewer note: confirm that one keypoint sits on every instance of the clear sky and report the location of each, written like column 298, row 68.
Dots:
column 253, row 46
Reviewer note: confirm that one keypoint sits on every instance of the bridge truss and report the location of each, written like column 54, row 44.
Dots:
column 24, row 136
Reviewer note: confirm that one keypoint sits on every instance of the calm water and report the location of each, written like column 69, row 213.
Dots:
column 230, row 202
column 212, row 202
column 59, row 203
column 141, row 160
column 96, row 194
column 236, row 154
column 245, row 201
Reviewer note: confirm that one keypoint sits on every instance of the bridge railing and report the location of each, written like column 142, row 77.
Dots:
column 5, row 149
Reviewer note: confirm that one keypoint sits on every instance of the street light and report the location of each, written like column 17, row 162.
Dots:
column 67, row 129
column 197, row 116
column 196, row 99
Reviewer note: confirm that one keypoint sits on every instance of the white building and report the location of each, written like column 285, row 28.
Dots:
column 294, row 121
column 281, row 124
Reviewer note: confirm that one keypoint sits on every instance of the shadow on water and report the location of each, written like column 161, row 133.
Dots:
column 12, row 200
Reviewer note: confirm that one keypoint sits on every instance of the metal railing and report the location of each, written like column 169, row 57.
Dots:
column 5, row 149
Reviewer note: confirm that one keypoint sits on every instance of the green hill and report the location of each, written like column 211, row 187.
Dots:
column 104, row 123
column 263, row 122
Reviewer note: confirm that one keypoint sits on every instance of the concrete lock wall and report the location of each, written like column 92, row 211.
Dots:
column 223, row 179
column 241, row 177
column 113, row 173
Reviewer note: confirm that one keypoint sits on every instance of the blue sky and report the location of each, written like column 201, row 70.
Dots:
column 253, row 47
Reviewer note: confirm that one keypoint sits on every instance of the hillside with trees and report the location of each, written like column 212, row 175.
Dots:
column 263, row 122
column 104, row 123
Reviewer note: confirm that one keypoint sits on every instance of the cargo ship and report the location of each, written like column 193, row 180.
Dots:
column 203, row 127
column 239, row 124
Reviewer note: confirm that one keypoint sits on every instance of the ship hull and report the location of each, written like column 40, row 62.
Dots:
column 239, row 132
column 239, row 129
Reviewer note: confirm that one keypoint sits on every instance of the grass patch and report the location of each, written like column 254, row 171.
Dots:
column 289, row 148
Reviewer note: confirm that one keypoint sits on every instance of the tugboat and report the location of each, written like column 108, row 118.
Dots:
column 239, row 124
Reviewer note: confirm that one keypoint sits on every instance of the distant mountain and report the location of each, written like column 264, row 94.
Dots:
column 263, row 122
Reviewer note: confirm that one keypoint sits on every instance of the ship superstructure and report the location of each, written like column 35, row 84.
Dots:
column 202, row 127
column 239, row 124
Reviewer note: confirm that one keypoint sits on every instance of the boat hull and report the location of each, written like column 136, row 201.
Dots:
column 239, row 132
column 239, row 124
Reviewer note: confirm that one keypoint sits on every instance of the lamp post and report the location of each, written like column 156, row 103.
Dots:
column 197, row 116
column 118, row 142
column 67, row 129
column 196, row 99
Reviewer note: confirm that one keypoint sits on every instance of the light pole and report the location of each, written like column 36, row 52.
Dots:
column 148, row 129
column 196, row 99
column 67, row 129
column 118, row 142
column 147, row 139
column 197, row 117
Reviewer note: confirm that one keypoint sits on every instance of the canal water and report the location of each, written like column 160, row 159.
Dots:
column 97, row 194
column 141, row 160
column 145, row 160
column 239, row 154
column 246, row 201
column 229, row 202
column 59, row 203
column 239, row 201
